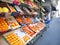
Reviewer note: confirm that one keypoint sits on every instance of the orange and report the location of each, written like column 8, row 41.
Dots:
column 26, row 38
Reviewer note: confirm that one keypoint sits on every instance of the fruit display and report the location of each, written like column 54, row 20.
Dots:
column 12, row 22
column 1, row 9
column 26, row 38
column 33, row 27
column 4, row 9
column 13, row 39
column 26, row 13
column 27, row 2
column 27, row 20
column 9, row 1
column 3, row 25
column 36, row 27
column 18, row 9
column 12, row 9
column 34, row 5
column 20, row 20
column 24, row 20
column 28, row 31
column 27, row 10
column 31, row 4
column 16, row 2
column 22, row 34
column 22, row 1
column 40, row 25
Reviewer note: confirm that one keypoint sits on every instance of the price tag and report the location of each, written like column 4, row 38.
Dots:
column 19, row 33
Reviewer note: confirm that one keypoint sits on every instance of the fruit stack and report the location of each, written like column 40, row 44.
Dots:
column 12, row 22
column 19, row 19
column 24, row 21
column 27, row 20
column 36, row 27
column 13, row 39
column 3, row 25
column 33, row 5
column 22, row 34
column 33, row 27
column 40, row 25
column 4, row 9
column 26, row 38
column 28, row 31
column 12, row 9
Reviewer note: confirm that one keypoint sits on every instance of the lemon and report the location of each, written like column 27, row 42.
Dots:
column 5, row 9
column 1, row 10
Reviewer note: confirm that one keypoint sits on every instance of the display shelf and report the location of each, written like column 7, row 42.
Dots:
column 28, row 11
column 3, row 25
column 26, row 34
column 15, row 8
column 18, row 2
column 22, row 34
column 34, row 35
column 13, row 36
column 4, row 7
column 11, row 1
column 12, row 22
